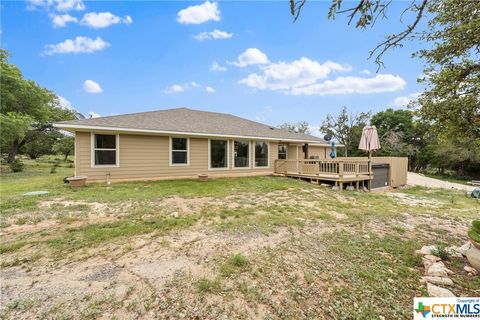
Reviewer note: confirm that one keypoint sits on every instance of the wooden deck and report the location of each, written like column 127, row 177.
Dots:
column 354, row 172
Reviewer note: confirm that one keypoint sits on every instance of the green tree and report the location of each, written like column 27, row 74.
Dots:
column 41, row 143
column 395, row 130
column 403, row 135
column 65, row 146
column 25, row 107
column 346, row 128
column 450, row 105
column 301, row 127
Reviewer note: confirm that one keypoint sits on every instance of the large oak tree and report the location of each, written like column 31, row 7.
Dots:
column 26, row 108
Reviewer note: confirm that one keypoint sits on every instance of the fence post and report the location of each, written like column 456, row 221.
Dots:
column 340, row 169
column 357, row 168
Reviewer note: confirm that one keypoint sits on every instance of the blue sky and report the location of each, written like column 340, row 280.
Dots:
column 120, row 57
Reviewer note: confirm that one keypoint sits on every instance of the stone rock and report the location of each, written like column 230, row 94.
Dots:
column 174, row 214
column 437, row 269
column 437, row 280
column 425, row 250
column 453, row 251
column 428, row 260
column 350, row 188
column 432, row 258
column 463, row 249
column 434, row 291
column 471, row 270
column 426, row 263
column 335, row 188
column 473, row 257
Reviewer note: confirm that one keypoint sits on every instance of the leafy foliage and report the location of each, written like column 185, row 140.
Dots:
column 346, row 128
column 26, row 107
column 65, row 146
column 299, row 127
column 17, row 166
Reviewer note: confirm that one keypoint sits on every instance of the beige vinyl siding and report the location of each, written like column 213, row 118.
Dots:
column 318, row 151
column 398, row 168
column 292, row 152
column 147, row 157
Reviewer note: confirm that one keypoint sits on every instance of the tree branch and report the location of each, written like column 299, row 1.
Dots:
column 395, row 40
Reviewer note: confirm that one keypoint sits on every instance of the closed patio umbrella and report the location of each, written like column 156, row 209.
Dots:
column 332, row 150
column 369, row 142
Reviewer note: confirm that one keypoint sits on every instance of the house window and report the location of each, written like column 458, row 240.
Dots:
column 179, row 151
column 241, row 157
column 218, row 154
column 105, row 149
column 261, row 154
column 282, row 151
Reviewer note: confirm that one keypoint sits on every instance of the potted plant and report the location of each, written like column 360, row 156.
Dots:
column 474, row 234
column 473, row 254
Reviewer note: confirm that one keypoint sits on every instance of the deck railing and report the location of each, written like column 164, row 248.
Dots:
column 317, row 167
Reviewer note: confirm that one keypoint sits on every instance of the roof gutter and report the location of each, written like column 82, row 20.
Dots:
column 73, row 127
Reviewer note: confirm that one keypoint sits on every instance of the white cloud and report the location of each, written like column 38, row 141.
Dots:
column 199, row 14
column 91, row 86
column 60, row 21
column 403, row 101
column 286, row 76
column 58, row 5
column 195, row 84
column 175, row 88
column 127, row 20
column 347, row 85
column 67, row 5
column 92, row 114
column 251, row 56
column 365, row 71
column 64, row 103
column 103, row 19
column 77, row 45
column 213, row 35
column 215, row 67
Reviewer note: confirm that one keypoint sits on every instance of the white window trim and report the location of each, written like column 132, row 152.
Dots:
column 209, row 155
column 170, row 153
column 268, row 155
column 286, row 151
column 92, row 150
column 249, row 155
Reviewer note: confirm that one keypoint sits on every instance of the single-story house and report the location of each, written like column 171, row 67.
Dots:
column 183, row 143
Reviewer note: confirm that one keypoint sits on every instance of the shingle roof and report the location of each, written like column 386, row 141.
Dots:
column 184, row 120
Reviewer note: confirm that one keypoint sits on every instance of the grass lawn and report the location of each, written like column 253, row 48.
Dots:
column 260, row 247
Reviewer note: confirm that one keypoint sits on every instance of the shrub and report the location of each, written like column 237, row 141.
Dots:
column 54, row 167
column 17, row 166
